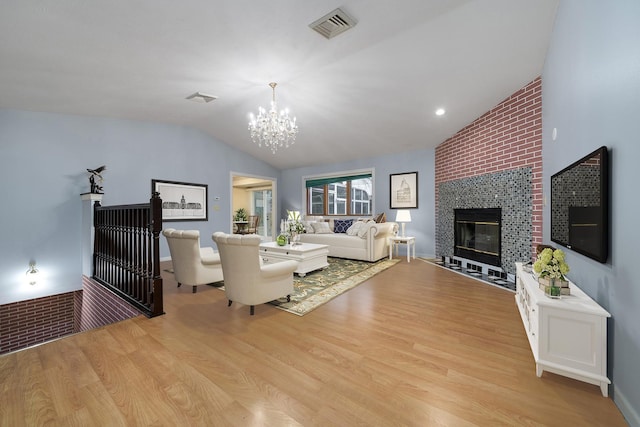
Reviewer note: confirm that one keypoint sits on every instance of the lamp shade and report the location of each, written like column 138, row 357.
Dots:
column 403, row 215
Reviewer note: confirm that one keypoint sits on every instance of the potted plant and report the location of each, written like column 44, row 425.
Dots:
column 240, row 215
column 551, row 267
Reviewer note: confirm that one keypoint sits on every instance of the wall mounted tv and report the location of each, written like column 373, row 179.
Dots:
column 580, row 206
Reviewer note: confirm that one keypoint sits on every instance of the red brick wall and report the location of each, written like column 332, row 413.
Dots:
column 34, row 321
column 30, row 322
column 508, row 136
column 100, row 307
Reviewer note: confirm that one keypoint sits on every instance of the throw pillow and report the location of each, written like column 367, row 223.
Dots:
column 355, row 227
column 365, row 229
column 341, row 225
column 330, row 221
column 308, row 227
column 381, row 218
column 321, row 227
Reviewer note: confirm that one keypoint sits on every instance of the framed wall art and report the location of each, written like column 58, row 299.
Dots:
column 182, row 201
column 403, row 190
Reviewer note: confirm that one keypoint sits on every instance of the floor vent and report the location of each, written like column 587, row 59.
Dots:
column 333, row 23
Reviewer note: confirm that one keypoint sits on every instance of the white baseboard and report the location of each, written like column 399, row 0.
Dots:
column 630, row 414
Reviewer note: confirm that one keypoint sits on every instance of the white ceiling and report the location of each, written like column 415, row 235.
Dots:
column 369, row 91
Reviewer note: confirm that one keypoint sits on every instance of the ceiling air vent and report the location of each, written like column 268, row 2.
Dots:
column 333, row 23
column 201, row 97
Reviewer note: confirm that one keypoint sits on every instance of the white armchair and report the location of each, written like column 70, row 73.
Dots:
column 192, row 265
column 247, row 281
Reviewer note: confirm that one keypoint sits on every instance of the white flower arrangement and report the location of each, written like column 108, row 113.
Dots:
column 293, row 223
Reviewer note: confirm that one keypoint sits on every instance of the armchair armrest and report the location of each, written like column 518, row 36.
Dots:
column 278, row 269
column 208, row 256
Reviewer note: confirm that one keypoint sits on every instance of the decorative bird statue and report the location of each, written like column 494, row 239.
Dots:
column 95, row 188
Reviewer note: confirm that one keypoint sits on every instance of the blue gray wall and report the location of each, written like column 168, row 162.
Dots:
column 591, row 95
column 43, row 162
column 422, row 224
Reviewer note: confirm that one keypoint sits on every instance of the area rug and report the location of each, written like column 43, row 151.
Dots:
column 321, row 286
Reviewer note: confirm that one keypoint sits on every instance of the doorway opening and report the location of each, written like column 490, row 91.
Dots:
column 257, row 196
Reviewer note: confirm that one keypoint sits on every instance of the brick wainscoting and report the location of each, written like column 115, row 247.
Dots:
column 506, row 138
column 100, row 307
column 34, row 321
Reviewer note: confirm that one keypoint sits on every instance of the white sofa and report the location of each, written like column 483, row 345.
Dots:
column 370, row 244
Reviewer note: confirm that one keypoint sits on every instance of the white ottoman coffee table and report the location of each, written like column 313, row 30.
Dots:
column 310, row 256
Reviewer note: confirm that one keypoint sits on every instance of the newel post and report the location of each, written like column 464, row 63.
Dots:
column 155, row 204
column 88, row 230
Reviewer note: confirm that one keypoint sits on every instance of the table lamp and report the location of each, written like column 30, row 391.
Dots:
column 403, row 216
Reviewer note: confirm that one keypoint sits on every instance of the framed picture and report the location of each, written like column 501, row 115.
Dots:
column 403, row 190
column 182, row 201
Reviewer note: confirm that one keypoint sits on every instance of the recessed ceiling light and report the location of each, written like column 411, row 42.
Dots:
column 201, row 97
column 440, row 112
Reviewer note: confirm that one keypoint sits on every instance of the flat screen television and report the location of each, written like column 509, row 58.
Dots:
column 580, row 206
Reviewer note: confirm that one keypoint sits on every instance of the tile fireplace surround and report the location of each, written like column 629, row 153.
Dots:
column 510, row 190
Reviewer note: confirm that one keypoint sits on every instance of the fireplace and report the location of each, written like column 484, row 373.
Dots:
column 477, row 235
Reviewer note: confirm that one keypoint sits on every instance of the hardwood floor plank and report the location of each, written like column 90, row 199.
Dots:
column 37, row 403
column 101, row 406
column 415, row 345
column 11, row 395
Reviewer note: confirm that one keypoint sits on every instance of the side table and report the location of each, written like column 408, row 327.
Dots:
column 397, row 240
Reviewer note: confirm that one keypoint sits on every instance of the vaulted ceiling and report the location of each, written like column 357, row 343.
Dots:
column 369, row 91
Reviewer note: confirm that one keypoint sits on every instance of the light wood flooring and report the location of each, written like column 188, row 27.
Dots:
column 416, row 345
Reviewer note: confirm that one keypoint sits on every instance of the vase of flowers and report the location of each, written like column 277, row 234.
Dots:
column 551, row 267
column 294, row 227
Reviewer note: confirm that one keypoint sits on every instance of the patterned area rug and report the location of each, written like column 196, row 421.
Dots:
column 321, row 286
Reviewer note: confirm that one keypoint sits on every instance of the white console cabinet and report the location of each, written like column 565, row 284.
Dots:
column 568, row 336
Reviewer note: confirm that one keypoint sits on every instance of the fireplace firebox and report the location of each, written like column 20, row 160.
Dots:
column 477, row 235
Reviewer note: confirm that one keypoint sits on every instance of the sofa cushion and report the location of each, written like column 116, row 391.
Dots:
column 335, row 240
column 321, row 228
column 341, row 225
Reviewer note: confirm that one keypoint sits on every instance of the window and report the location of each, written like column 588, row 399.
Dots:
column 340, row 195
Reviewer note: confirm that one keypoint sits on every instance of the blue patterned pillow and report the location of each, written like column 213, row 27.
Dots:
column 341, row 225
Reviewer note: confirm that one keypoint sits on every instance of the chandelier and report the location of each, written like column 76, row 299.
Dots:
column 273, row 129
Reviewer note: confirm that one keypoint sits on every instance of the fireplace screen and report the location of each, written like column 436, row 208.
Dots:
column 477, row 235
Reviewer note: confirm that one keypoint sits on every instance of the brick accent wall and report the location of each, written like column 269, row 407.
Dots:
column 100, row 306
column 34, row 321
column 507, row 137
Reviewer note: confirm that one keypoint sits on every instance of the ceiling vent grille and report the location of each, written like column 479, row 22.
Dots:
column 333, row 23
column 201, row 97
